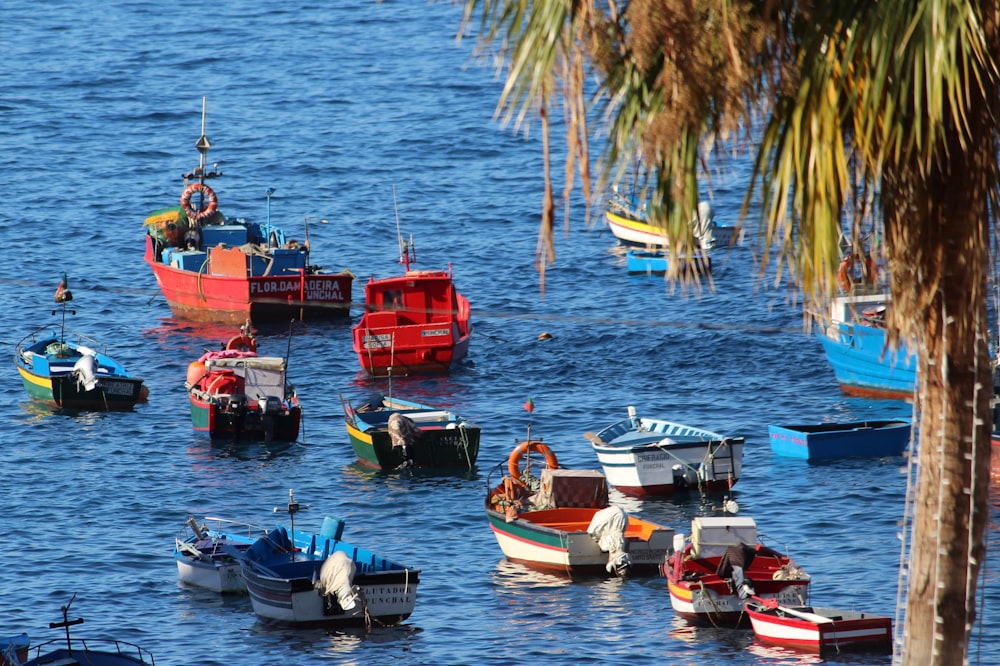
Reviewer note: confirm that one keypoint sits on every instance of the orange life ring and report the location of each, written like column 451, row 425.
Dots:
column 845, row 276
column 242, row 343
column 209, row 210
column 514, row 461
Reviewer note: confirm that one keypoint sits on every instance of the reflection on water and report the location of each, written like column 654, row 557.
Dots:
column 309, row 644
column 780, row 656
column 38, row 412
column 514, row 577
column 208, row 450
column 365, row 473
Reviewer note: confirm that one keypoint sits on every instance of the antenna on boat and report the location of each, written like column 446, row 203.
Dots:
column 67, row 623
column 407, row 252
column 203, row 144
column 292, row 509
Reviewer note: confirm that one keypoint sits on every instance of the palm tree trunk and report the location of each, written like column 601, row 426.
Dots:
column 942, row 234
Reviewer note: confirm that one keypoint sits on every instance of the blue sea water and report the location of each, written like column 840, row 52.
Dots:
column 356, row 112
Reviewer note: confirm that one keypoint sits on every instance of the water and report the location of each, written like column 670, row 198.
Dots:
column 336, row 107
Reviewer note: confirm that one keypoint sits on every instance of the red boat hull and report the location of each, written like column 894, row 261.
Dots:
column 201, row 296
column 414, row 323
column 700, row 596
column 853, row 631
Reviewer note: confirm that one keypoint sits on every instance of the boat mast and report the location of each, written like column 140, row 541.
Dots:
column 203, row 144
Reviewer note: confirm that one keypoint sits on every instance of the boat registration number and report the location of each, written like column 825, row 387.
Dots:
column 116, row 388
column 435, row 332
column 379, row 341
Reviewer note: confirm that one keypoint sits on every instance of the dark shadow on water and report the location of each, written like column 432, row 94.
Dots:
column 369, row 474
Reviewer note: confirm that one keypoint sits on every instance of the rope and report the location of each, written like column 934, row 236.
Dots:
column 465, row 443
column 707, row 595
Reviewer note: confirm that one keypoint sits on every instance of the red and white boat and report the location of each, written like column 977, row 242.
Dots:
column 819, row 630
column 237, row 395
column 413, row 323
column 711, row 577
column 226, row 269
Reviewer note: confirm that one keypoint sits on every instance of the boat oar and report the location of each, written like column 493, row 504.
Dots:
column 772, row 604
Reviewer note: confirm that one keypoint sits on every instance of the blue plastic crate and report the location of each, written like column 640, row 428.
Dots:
column 232, row 235
column 188, row 260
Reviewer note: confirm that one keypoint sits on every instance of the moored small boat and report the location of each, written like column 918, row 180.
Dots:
column 840, row 440
column 626, row 217
column 413, row 323
column 819, row 630
column 723, row 565
column 648, row 457
column 77, row 651
column 306, row 579
column 389, row 433
column 236, row 394
column 68, row 370
column 207, row 553
column 210, row 267
column 562, row 522
column 660, row 261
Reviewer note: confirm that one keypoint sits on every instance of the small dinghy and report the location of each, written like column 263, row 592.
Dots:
column 819, row 630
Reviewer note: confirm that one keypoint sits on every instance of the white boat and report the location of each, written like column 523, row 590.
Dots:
column 648, row 457
column 207, row 553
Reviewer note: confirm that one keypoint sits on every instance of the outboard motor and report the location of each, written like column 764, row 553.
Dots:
column 86, row 371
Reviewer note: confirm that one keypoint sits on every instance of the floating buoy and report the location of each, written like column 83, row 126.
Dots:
column 545, row 336
column 196, row 371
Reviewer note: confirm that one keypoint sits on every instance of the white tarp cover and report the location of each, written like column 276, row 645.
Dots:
column 336, row 577
column 608, row 528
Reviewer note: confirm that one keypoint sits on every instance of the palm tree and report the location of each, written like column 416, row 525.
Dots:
column 902, row 97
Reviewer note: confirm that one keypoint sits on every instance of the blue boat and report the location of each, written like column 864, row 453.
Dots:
column 840, row 440
column 657, row 262
column 68, row 370
column 305, row 579
column 854, row 340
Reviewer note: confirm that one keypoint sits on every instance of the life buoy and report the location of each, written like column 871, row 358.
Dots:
column 208, row 211
column 514, row 461
column 845, row 274
column 242, row 343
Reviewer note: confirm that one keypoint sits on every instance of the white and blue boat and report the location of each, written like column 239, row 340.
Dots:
column 208, row 553
column 840, row 440
column 854, row 340
column 304, row 579
column 644, row 457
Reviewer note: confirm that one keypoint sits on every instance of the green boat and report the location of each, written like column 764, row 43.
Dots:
column 388, row 433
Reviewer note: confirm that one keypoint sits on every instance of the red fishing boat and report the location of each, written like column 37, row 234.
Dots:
column 236, row 394
column 413, row 323
column 711, row 577
column 216, row 268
